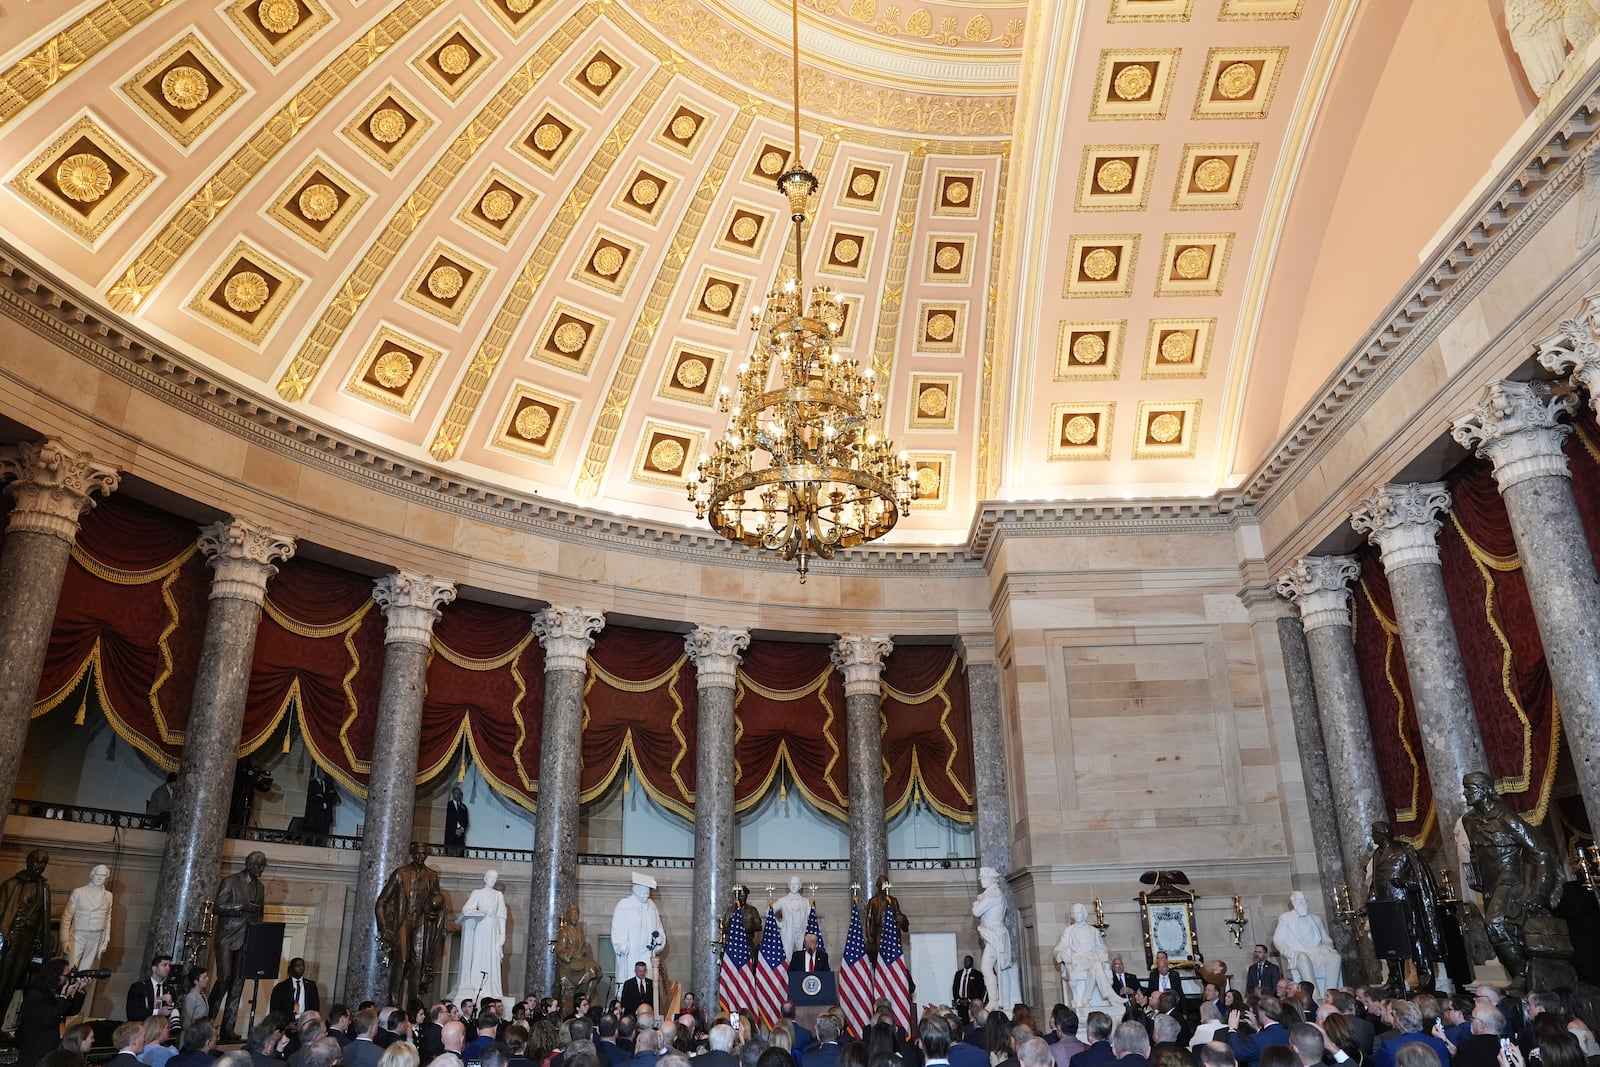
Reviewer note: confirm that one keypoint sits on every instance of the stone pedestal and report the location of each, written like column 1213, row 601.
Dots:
column 715, row 651
column 567, row 634
column 1402, row 520
column 51, row 487
column 410, row 604
column 1517, row 426
column 992, row 833
column 242, row 555
column 1319, row 587
column 860, row 658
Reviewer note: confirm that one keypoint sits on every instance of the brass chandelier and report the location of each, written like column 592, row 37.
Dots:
column 800, row 470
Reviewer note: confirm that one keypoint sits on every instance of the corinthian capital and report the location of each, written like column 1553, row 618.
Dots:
column 52, row 485
column 1403, row 521
column 1574, row 350
column 567, row 634
column 1320, row 588
column 716, row 654
column 1517, row 426
column 860, row 658
column 411, row 603
column 241, row 554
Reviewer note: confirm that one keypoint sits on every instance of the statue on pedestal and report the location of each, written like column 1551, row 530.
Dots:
column 1516, row 871
column 86, row 921
column 877, row 907
column 579, row 972
column 1404, row 910
column 483, row 941
column 24, row 922
column 240, row 902
column 410, row 913
column 636, row 935
column 1302, row 939
column 993, row 910
column 792, row 909
column 747, row 916
column 1085, row 964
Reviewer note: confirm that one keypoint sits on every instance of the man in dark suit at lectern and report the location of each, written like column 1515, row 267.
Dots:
column 809, row 958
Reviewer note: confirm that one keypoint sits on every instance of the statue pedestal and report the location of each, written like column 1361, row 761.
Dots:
column 1116, row 1011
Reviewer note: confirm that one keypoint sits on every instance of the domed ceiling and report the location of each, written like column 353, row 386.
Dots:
column 521, row 239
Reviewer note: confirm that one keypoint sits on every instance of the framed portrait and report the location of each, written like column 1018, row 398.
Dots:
column 1168, row 927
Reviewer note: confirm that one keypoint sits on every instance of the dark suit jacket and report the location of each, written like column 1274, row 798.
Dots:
column 1247, row 1050
column 797, row 962
column 141, row 999
column 822, row 1056
column 1174, row 978
column 1133, row 1059
column 457, row 820
column 1182, row 1050
column 976, row 989
column 1185, row 1031
column 1478, row 1050
column 1365, row 1033
column 1257, row 975
column 1095, row 1055
column 713, row 1058
column 1124, row 981
column 965, row 1054
column 632, row 995
column 430, row 1042
column 341, row 1036
column 359, row 1053
column 282, row 999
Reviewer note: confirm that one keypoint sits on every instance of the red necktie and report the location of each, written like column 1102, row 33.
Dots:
column 810, row 962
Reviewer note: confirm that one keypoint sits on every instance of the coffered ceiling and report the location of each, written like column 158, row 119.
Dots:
column 521, row 239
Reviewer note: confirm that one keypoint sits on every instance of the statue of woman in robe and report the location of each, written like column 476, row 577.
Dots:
column 483, row 941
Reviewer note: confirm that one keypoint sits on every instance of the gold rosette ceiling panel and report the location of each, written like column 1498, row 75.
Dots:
column 801, row 471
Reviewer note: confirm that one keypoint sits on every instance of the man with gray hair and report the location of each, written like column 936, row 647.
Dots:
column 1481, row 1048
column 1099, row 1053
column 720, row 1050
column 1164, row 1031
column 1034, row 1053
column 1305, row 1041
column 646, row 1049
column 323, row 1052
column 1131, row 1044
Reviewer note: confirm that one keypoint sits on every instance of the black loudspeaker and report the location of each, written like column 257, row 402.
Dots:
column 1391, row 936
column 263, row 950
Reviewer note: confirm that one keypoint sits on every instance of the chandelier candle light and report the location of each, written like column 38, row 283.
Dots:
column 800, row 470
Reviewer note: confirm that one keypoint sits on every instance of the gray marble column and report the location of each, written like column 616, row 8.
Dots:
column 716, row 652
column 242, row 555
column 1319, row 588
column 1403, row 521
column 1517, row 426
column 992, row 829
column 51, row 487
column 860, row 658
column 410, row 604
column 567, row 634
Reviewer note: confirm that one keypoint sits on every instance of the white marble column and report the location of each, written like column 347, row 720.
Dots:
column 716, row 652
column 410, row 604
column 242, row 555
column 992, row 817
column 860, row 658
column 1319, row 586
column 567, row 635
column 51, row 488
column 1403, row 521
column 1517, row 426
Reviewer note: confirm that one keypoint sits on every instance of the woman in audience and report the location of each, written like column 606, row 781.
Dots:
column 1340, row 1035
column 1210, row 1023
column 194, row 1005
column 400, row 1054
column 997, row 1038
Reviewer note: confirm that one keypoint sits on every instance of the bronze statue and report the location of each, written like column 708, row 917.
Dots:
column 748, row 916
column 877, row 907
column 1515, row 869
column 411, row 915
column 240, row 901
column 1404, row 908
column 579, row 971
column 24, row 922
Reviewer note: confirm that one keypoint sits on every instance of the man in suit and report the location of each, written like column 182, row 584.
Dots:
column 1131, row 1043
column 720, row 1042
column 339, row 1025
column 809, row 958
column 295, row 993
column 1170, row 1006
column 640, row 989
column 1262, row 972
column 934, row 1034
column 1269, row 1031
column 1121, row 980
column 1064, row 1021
column 825, row 1053
column 1163, row 978
column 1166, row 1033
column 151, row 996
column 456, row 821
column 364, row 1050
column 968, row 986
column 1099, row 1053
column 129, row 1039
column 1345, row 1004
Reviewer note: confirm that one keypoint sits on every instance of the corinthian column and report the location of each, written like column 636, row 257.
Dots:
column 242, row 555
column 715, row 651
column 1319, row 588
column 410, row 604
column 50, row 489
column 860, row 658
column 1402, row 520
column 1517, row 426
column 567, row 634
column 992, row 835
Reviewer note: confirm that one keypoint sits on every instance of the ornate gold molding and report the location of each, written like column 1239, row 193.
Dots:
column 31, row 77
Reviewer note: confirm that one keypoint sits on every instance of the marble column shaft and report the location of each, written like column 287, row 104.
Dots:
column 567, row 634
column 1402, row 520
column 410, row 604
column 860, row 658
column 242, row 555
column 1319, row 587
column 992, row 830
column 716, row 652
column 1518, row 427
column 51, row 488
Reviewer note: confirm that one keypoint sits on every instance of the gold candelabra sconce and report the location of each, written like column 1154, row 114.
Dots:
column 1447, row 886
column 855, row 890
column 1589, row 868
column 811, row 892
column 1345, row 911
column 1238, row 922
column 1100, row 923
column 718, row 946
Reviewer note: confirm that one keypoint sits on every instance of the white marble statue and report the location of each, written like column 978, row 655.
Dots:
column 1085, row 964
column 86, row 921
column 1308, row 953
column 1538, row 30
column 999, row 963
column 792, row 910
column 483, row 942
column 636, row 934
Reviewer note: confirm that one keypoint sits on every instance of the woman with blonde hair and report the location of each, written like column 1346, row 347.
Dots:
column 400, row 1054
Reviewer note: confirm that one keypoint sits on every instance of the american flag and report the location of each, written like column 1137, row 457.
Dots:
column 736, row 988
column 893, row 977
column 772, row 972
column 814, row 927
column 855, row 977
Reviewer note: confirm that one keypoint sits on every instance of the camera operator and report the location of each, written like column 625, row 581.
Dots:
column 47, row 1003
column 153, row 995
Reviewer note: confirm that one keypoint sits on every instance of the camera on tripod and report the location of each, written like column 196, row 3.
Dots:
column 98, row 973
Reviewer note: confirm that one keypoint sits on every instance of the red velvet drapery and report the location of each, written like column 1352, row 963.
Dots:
column 1391, row 712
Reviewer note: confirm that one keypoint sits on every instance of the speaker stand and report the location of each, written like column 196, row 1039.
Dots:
column 255, row 991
